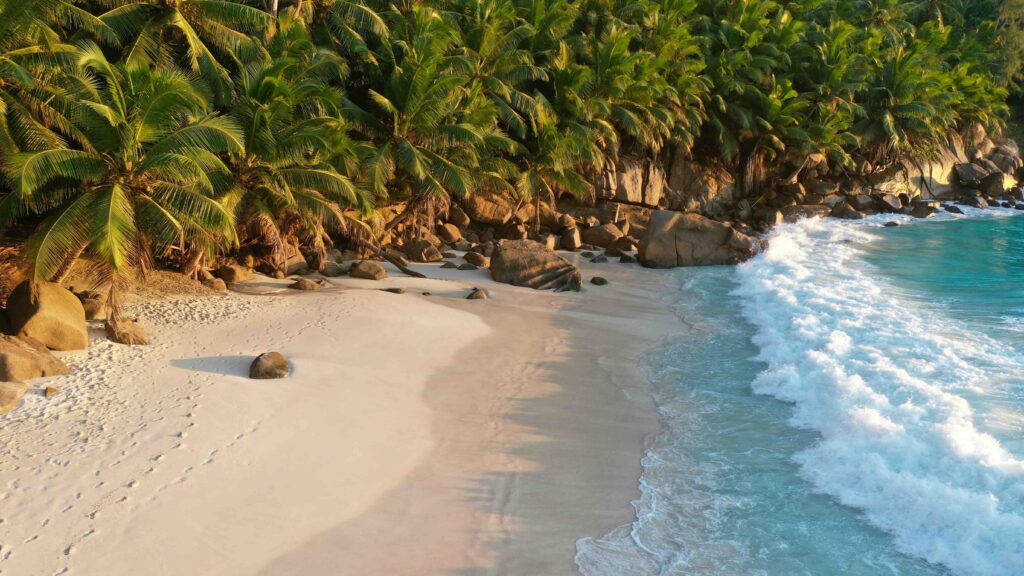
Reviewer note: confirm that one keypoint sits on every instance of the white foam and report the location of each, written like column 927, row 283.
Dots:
column 888, row 383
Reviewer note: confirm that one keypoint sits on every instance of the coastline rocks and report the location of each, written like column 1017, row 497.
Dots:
column 295, row 262
column 527, row 263
column 992, row 185
column 48, row 313
column 924, row 210
column 602, row 235
column 477, row 259
column 890, row 203
column 688, row 239
column 216, row 284
column 449, row 265
column 25, row 359
column 233, row 273
column 620, row 246
column 599, row 281
column 333, row 270
column 465, row 267
column 571, row 240
column 844, row 211
column 450, row 233
column 458, row 217
column 493, row 209
column 368, row 270
column 424, row 251
column 801, row 211
column 269, row 365
column 10, row 395
column 306, row 284
column 477, row 294
column 953, row 209
column 125, row 331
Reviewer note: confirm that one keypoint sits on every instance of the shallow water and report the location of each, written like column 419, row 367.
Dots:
column 850, row 402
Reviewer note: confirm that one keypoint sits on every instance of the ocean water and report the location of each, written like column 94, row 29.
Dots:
column 849, row 402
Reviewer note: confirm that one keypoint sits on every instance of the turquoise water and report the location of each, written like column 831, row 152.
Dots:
column 853, row 405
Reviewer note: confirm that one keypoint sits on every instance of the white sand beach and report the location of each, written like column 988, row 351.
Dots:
column 416, row 434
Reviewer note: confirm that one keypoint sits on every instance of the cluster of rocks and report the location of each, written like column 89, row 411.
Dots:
column 41, row 317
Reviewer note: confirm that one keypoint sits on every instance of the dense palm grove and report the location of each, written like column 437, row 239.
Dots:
column 180, row 130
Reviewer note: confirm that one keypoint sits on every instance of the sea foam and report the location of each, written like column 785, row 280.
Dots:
column 890, row 384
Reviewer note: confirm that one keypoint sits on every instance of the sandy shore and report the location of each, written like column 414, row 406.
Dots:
column 417, row 435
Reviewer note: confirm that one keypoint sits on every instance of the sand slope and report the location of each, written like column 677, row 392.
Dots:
column 417, row 435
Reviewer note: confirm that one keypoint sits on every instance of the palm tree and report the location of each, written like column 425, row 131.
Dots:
column 284, row 180
column 206, row 36
column 143, row 185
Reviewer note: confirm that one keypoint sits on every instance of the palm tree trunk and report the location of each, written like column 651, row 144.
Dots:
column 380, row 253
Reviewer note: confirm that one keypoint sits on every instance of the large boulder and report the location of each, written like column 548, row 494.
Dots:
column 571, row 240
column 294, row 261
column 458, row 217
column 233, row 273
column 10, row 395
column 125, row 331
column 633, row 180
column 368, row 270
column 992, row 184
column 693, row 187
column 528, row 263
column 424, row 251
column 688, row 239
column 450, row 233
column 801, row 211
column 844, row 211
column 477, row 259
column 269, row 365
column 487, row 208
column 602, row 235
column 25, row 359
column 48, row 313
column 969, row 174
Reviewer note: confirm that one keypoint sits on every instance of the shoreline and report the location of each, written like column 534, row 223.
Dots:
column 526, row 464
column 501, row 472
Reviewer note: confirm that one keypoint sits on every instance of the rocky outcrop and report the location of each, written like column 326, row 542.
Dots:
column 802, row 211
column 125, row 331
column 602, row 235
column 216, row 284
column 571, row 240
column 477, row 259
column 693, row 187
column 487, row 208
column 25, row 359
column 633, row 181
column 458, row 217
column 48, row 313
column 527, row 263
column 269, row 365
column 688, row 239
column 424, row 251
column 368, row 270
column 233, row 273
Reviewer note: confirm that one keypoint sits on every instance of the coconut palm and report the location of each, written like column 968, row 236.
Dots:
column 144, row 186
column 205, row 36
column 285, row 181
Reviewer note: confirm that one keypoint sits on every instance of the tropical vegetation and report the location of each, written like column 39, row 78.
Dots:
column 180, row 130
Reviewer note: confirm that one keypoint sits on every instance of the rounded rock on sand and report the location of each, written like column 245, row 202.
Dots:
column 269, row 365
